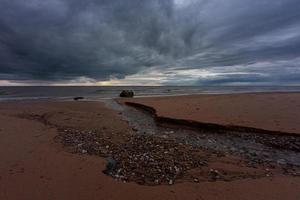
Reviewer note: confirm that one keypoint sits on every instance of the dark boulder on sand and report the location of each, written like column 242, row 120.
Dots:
column 127, row 93
column 78, row 98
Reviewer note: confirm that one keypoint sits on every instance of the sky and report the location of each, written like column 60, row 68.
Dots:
column 150, row 42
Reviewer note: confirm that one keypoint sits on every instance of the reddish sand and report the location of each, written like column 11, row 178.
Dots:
column 270, row 111
column 33, row 166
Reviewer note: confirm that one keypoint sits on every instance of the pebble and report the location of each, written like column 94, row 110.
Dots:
column 281, row 162
column 83, row 151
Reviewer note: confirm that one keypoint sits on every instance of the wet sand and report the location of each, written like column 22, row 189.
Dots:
column 269, row 111
column 35, row 166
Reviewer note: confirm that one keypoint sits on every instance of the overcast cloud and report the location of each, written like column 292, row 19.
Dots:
column 152, row 42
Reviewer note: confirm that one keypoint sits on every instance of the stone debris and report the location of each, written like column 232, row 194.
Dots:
column 154, row 160
column 281, row 162
column 283, row 142
column 145, row 159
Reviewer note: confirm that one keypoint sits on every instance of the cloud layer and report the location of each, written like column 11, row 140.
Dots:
column 125, row 41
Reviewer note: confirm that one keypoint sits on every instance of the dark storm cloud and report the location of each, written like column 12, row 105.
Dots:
column 55, row 40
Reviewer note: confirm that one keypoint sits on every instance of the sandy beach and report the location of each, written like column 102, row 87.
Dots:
column 269, row 111
column 40, row 159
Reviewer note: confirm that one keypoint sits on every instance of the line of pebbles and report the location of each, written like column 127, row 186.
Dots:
column 154, row 160
column 144, row 159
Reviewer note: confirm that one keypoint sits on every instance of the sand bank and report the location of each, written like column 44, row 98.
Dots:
column 269, row 111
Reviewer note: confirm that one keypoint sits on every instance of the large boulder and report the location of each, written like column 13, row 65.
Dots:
column 127, row 93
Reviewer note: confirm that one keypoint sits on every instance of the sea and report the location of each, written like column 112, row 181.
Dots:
column 109, row 92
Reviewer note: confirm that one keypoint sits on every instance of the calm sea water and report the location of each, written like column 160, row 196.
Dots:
column 94, row 93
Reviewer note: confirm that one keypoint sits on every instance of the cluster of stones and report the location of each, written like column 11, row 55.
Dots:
column 151, row 159
column 284, row 142
column 145, row 159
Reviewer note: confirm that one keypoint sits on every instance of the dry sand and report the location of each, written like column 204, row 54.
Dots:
column 270, row 111
column 34, row 166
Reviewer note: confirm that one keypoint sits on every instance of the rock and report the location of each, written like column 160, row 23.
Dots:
column 281, row 162
column 215, row 173
column 127, row 93
column 253, row 153
column 111, row 165
column 265, row 154
column 78, row 98
column 232, row 149
column 296, row 174
column 3, row 93
column 84, row 151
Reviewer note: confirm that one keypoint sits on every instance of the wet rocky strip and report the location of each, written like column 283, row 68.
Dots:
column 274, row 139
column 156, row 160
